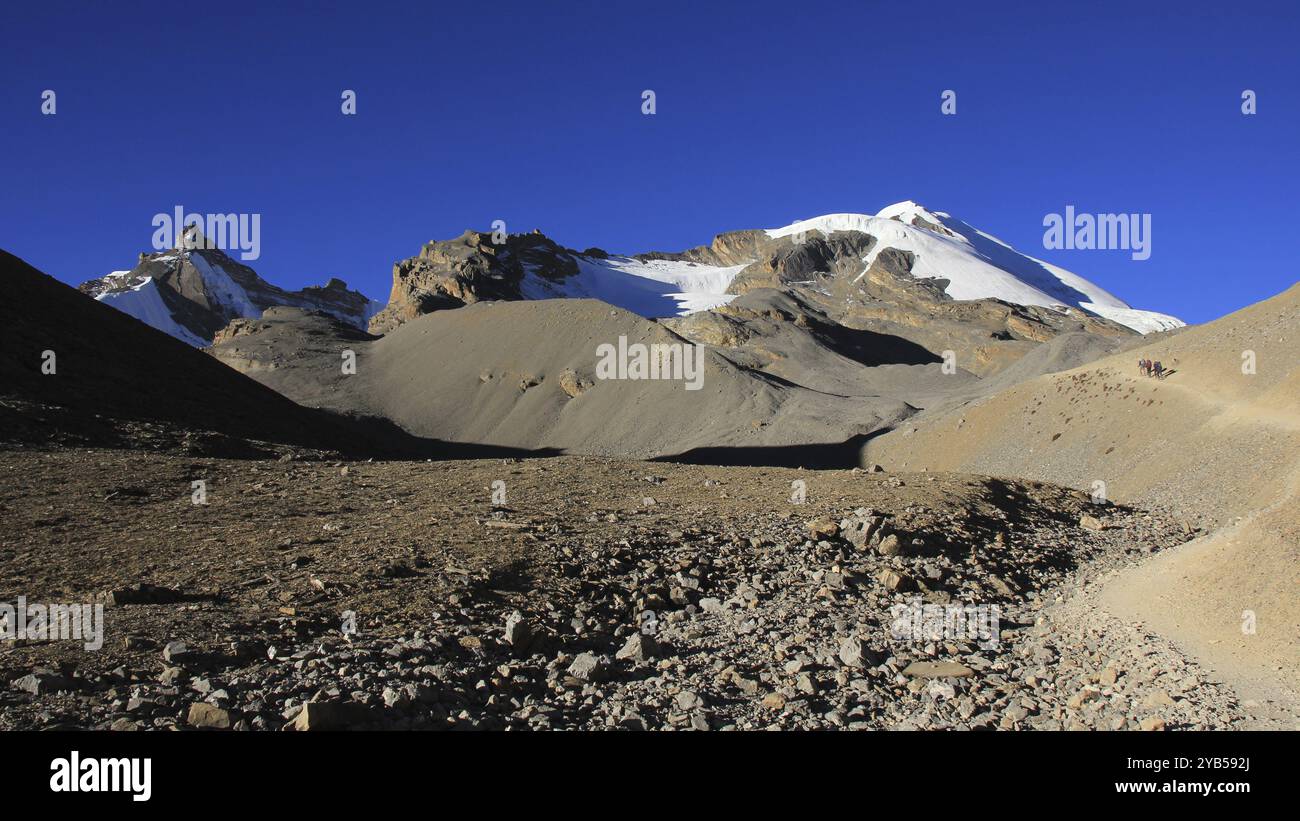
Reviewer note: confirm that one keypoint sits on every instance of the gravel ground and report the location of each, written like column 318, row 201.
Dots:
column 592, row 594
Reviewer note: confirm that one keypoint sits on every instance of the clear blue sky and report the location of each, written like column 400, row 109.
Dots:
column 531, row 113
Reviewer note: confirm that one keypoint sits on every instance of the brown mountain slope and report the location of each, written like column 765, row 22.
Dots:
column 1220, row 445
column 108, row 364
column 524, row 374
column 1209, row 439
column 119, row 382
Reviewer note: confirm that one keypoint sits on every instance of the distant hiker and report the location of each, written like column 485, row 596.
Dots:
column 1159, row 370
column 1142, row 366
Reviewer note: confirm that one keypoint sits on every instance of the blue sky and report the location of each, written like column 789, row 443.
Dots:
column 531, row 113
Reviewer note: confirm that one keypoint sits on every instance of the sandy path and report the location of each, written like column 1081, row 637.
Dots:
column 1201, row 596
column 1166, row 595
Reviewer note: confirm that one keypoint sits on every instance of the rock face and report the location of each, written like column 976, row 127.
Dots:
column 472, row 267
column 191, row 293
column 860, row 272
column 866, row 303
column 922, row 276
column 790, row 260
column 730, row 248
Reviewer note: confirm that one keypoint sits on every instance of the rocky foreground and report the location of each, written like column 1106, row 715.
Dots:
column 592, row 594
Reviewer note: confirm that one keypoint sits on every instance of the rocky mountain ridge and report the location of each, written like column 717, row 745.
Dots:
column 905, row 254
column 192, row 292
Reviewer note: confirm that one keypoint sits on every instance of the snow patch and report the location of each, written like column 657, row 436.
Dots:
column 977, row 265
column 654, row 288
column 223, row 290
column 1144, row 322
column 143, row 302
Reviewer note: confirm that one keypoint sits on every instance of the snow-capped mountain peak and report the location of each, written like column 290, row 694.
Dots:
column 977, row 265
column 191, row 293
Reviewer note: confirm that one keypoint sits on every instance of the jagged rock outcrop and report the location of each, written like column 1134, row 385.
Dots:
column 192, row 292
column 472, row 267
column 729, row 248
column 801, row 259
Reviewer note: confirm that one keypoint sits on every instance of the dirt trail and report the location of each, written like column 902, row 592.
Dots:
column 1208, row 598
column 1216, row 440
column 1199, row 595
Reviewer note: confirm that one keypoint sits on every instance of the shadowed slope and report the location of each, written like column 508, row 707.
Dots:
column 114, row 377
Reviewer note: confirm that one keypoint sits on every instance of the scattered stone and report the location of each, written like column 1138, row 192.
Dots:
column 893, row 580
column 1091, row 523
column 175, row 651
column 941, row 690
column 1152, row 724
column 140, row 594
column 773, row 701
column 937, row 669
column 639, row 647
column 823, row 528
column 519, row 635
column 40, row 683
column 889, row 545
column 755, row 623
column 588, row 667
column 855, row 653
column 173, row 676
column 1015, row 714
column 858, row 529
column 206, row 715
column 395, row 699
column 330, row 715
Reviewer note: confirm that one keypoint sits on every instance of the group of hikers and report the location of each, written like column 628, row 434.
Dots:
column 1148, row 368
